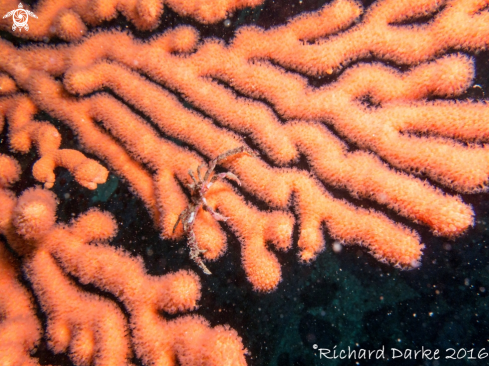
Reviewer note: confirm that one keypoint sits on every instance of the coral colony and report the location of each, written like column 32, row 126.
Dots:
column 401, row 138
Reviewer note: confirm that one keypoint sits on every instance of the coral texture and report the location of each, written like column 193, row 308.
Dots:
column 68, row 19
column 91, row 328
column 392, row 137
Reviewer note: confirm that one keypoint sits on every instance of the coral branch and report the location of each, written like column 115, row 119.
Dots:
column 387, row 130
column 154, row 110
column 19, row 327
column 24, row 132
column 66, row 19
column 20, row 330
column 91, row 327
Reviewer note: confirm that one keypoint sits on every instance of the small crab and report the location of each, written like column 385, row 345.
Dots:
column 198, row 189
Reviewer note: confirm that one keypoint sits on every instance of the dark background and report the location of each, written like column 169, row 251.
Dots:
column 341, row 299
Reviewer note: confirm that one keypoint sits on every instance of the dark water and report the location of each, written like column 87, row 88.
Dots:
column 341, row 300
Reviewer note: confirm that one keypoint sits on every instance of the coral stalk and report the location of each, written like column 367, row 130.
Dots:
column 398, row 139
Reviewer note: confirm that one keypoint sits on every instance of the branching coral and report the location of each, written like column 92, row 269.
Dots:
column 397, row 150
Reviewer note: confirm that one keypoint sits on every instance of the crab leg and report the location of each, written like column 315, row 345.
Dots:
column 212, row 166
column 191, row 173
column 215, row 215
column 195, row 253
column 180, row 218
column 199, row 173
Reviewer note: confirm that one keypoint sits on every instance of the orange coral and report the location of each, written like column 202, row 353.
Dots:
column 19, row 326
column 386, row 130
column 91, row 327
column 7, row 86
column 20, row 330
column 24, row 132
column 252, row 91
column 66, row 19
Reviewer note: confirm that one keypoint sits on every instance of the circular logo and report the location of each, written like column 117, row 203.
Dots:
column 20, row 17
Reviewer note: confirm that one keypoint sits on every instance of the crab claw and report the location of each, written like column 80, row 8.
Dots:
column 214, row 214
column 218, row 216
column 230, row 176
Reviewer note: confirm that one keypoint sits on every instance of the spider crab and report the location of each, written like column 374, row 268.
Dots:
column 198, row 188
